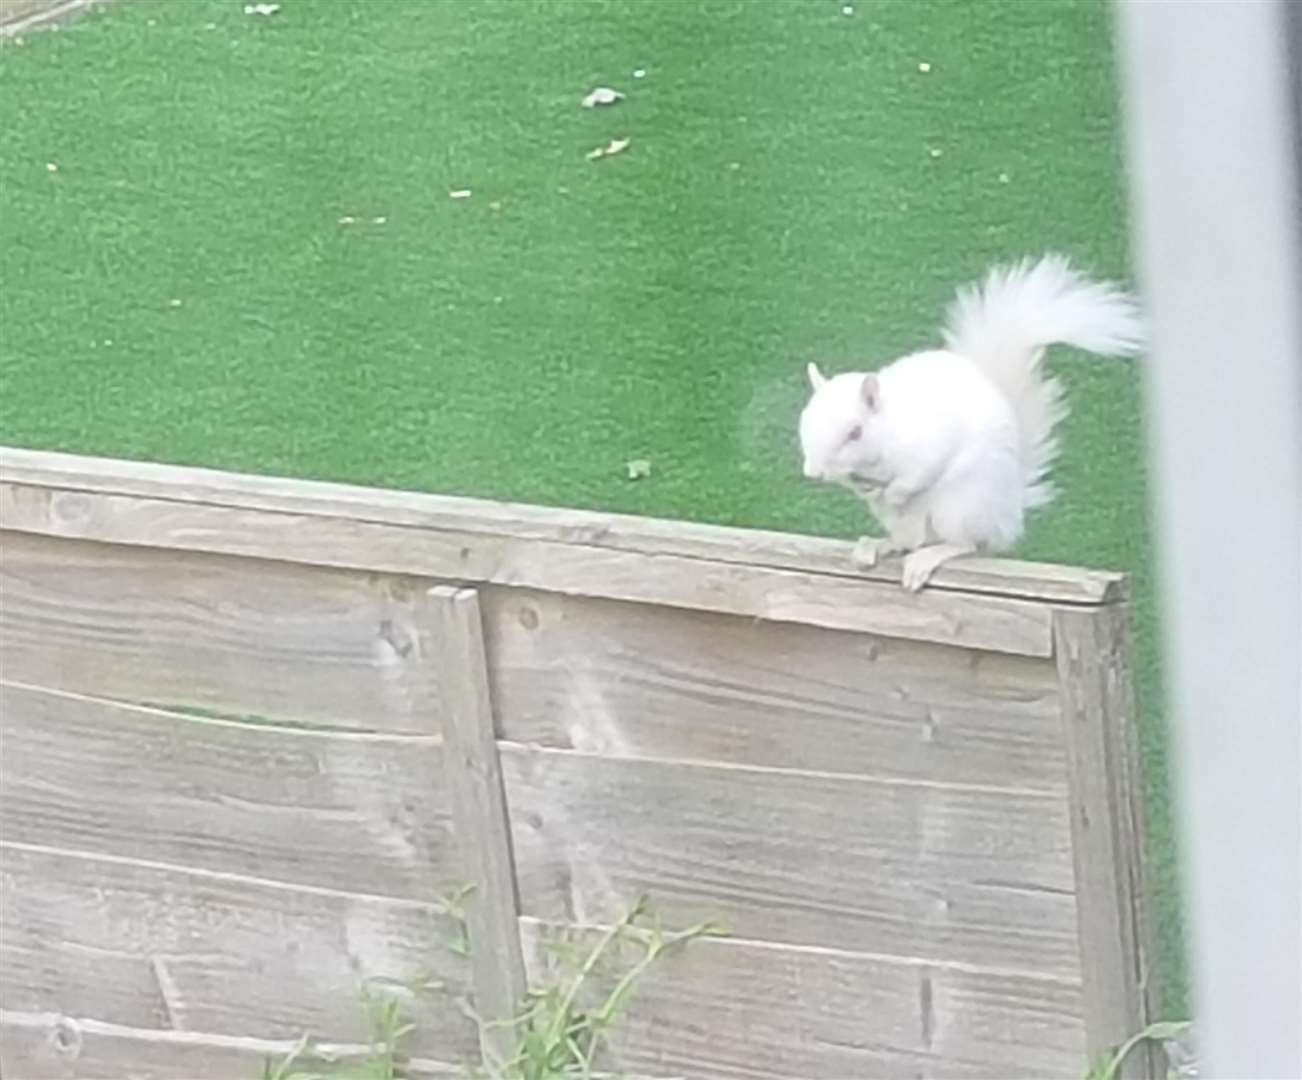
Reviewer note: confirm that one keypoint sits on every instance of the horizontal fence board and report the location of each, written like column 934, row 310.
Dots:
column 619, row 532
column 636, row 680
column 743, row 1010
column 363, row 813
column 50, row 1046
column 238, row 636
column 159, row 946
column 977, row 621
column 944, row 873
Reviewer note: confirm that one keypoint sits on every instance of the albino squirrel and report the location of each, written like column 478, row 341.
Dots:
column 951, row 447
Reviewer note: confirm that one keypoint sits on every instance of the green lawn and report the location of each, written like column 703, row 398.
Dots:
column 181, row 287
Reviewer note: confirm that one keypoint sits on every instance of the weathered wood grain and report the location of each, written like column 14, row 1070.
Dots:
column 364, row 813
column 237, row 636
column 152, row 946
column 745, row 1010
column 23, row 16
column 613, row 531
column 988, row 622
column 474, row 778
column 941, row 872
column 337, row 647
column 51, row 1046
column 1116, row 949
column 637, row 680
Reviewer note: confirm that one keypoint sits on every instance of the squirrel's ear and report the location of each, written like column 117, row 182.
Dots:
column 816, row 377
column 871, row 391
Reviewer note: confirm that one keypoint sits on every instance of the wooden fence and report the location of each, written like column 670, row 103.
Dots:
column 252, row 728
column 20, row 16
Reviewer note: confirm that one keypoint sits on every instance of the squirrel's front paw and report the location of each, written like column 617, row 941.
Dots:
column 872, row 549
column 866, row 552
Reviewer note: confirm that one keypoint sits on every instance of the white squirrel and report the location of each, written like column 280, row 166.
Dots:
column 951, row 447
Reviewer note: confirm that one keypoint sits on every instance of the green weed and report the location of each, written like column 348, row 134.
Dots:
column 559, row 1035
column 1110, row 1067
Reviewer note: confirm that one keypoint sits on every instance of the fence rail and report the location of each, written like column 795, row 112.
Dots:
column 254, row 727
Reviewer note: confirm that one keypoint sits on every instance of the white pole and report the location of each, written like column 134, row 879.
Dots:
column 1210, row 96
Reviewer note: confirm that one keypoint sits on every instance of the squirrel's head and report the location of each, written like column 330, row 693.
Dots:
column 836, row 426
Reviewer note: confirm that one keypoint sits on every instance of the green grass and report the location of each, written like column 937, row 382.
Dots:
column 779, row 201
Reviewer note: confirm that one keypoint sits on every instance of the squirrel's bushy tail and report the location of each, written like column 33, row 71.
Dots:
column 1004, row 324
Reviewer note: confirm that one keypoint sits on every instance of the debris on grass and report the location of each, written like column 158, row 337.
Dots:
column 924, row 67
column 847, row 10
column 935, row 151
column 615, row 146
column 639, row 73
column 261, row 9
column 459, row 193
column 174, row 302
column 51, row 167
column 602, row 95
column 380, row 220
column 638, row 469
column 347, row 219
column 1003, row 178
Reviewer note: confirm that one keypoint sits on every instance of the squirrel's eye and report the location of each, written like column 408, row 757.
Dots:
column 854, row 433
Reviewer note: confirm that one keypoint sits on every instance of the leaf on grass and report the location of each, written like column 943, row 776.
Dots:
column 638, row 469
column 615, row 146
column 602, row 95
column 261, row 9
column 460, row 193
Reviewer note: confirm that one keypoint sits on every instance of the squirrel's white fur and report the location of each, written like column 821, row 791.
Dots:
column 951, row 447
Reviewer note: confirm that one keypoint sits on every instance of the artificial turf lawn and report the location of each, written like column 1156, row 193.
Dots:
column 182, row 289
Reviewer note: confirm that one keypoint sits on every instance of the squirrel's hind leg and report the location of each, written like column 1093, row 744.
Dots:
column 921, row 564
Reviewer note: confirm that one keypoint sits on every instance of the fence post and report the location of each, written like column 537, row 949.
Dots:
column 1091, row 646
column 480, row 818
